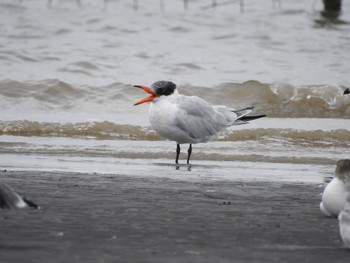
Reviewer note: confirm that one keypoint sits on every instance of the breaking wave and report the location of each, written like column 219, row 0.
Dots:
column 282, row 100
column 274, row 100
column 55, row 108
column 111, row 131
column 99, row 130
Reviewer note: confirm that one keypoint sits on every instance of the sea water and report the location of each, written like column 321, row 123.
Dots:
column 66, row 76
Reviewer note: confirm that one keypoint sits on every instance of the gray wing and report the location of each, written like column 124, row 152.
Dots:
column 10, row 199
column 199, row 120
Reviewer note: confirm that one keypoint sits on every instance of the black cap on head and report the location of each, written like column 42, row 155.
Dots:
column 163, row 87
column 347, row 91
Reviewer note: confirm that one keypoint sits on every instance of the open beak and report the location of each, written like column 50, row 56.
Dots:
column 147, row 99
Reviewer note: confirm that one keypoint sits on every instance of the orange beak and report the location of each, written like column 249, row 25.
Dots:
column 147, row 99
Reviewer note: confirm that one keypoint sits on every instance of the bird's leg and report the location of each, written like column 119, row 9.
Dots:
column 177, row 153
column 189, row 153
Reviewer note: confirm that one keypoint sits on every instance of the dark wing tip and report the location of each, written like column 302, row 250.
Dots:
column 347, row 91
column 250, row 118
column 30, row 203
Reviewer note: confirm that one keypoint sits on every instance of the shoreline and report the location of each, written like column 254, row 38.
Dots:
column 88, row 217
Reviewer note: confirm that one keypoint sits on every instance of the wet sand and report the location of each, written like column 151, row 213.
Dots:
column 122, row 218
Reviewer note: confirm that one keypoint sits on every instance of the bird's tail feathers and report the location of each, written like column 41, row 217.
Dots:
column 250, row 118
column 243, row 112
column 243, row 119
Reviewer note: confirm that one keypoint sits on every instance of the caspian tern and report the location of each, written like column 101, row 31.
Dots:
column 188, row 119
column 10, row 199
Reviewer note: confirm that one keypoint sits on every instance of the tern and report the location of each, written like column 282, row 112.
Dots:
column 10, row 199
column 188, row 119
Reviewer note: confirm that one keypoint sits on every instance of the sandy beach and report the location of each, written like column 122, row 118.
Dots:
column 142, row 218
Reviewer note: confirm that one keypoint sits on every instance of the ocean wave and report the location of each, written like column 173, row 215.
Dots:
column 98, row 130
column 281, row 100
column 112, row 131
column 274, row 100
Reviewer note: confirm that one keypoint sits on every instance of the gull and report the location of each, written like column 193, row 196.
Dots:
column 188, row 119
column 10, row 199
column 344, row 220
column 335, row 194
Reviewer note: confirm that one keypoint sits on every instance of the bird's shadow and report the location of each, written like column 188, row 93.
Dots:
column 186, row 166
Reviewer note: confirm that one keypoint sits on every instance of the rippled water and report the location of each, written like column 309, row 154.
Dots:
column 99, row 45
column 67, row 73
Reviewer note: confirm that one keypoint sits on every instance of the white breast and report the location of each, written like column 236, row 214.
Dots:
column 333, row 198
column 162, row 116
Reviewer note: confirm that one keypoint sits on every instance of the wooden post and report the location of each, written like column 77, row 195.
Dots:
column 332, row 5
column 332, row 8
column 186, row 4
column 162, row 6
column 49, row 2
column 136, row 5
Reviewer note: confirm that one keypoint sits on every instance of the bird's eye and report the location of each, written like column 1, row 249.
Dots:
column 160, row 90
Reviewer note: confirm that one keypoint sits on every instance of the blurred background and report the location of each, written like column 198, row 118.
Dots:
column 197, row 42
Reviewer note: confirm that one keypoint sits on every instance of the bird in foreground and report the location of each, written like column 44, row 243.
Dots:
column 10, row 199
column 335, row 194
column 188, row 119
column 344, row 220
column 347, row 91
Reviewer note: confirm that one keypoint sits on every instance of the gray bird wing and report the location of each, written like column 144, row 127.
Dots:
column 198, row 119
column 8, row 197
